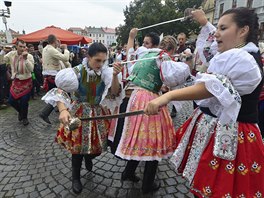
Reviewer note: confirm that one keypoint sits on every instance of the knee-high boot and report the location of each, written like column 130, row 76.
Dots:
column 129, row 172
column 46, row 111
column 76, row 171
column 88, row 161
column 148, row 184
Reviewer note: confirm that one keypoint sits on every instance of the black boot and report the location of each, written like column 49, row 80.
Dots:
column 173, row 112
column 44, row 114
column 148, row 184
column 76, row 171
column 129, row 172
column 88, row 162
column 23, row 115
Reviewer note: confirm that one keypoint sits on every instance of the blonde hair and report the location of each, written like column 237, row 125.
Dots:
column 168, row 43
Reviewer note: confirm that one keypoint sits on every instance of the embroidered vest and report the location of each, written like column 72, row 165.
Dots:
column 91, row 91
column 146, row 73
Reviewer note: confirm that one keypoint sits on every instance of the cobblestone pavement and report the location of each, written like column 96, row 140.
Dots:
column 33, row 165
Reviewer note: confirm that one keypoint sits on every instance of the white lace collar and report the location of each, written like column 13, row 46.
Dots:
column 90, row 72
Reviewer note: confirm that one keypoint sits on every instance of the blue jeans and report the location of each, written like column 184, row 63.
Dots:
column 20, row 104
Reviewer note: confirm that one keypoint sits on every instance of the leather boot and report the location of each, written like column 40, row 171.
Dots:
column 88, row 162
column 148, row 184
column 23, row 115
column 46, row 111
column 76, row 171
column 129, row 172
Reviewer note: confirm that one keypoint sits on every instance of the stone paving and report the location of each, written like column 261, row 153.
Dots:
column 33, row 165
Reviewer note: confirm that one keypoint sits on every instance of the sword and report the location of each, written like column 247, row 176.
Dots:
column 120, row 115
column 76, row 122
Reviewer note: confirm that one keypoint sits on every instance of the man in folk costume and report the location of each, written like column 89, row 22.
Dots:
column 22, row 64
column 51, row 58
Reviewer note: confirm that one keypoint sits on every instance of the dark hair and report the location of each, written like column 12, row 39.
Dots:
column 246, row 17
column 96, row 48
column 155, row 39
column 20, row 41
column 30, row 45
column 51, row 39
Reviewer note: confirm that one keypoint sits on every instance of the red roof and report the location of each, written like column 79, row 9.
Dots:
column 64, row 36
column 109, row 30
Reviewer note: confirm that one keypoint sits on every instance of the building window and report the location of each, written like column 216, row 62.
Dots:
column 234, row 4
column 90, row 35
column 221, row 9
column 249, row 3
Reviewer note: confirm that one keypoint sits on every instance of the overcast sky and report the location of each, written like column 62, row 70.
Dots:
column 32, row 15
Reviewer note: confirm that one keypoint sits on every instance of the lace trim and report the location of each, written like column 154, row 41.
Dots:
column 226, row 102
column 57, row 95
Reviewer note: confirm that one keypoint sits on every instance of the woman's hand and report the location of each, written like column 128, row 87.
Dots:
column 65, row 117
column 199, row 16
column 117, row 68
column 154, row 105
column 133, row 33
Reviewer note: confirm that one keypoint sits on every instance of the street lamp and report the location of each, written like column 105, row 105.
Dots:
column 5, row 13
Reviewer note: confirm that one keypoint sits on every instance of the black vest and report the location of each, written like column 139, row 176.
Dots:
column 249, row 108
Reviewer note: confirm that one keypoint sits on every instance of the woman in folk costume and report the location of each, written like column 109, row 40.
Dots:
column 94, row 87
column 219, row 148
column 150, row 138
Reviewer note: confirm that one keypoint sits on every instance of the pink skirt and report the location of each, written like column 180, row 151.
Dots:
column 146, row 138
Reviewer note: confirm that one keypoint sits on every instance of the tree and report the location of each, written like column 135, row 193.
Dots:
column 142, row 13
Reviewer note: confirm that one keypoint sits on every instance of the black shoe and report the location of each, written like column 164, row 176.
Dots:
column 77, row 186
column 45, row 118
column 19, row 117
column 173, row 112
column 25, row 122
column 132, row 178
column 155, row 187
column 88, row 163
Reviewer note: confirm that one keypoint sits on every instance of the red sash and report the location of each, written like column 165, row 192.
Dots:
column 20, row 88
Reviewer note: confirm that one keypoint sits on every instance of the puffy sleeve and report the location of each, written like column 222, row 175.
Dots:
column 233, row 73
column 174, row 73
column 206, row 45
column 108, row 100
column 67, row 82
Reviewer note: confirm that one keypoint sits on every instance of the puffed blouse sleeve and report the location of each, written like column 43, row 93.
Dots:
column 66, row 81
column 206, row 45
column 109, row 100
column 232, row 74
column 173, row 73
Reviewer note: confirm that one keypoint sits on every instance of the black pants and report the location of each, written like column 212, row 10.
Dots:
column 3, row 82
column 149, row 172
column 20, row 104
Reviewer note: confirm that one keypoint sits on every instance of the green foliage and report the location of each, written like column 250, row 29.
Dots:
column 142, row 13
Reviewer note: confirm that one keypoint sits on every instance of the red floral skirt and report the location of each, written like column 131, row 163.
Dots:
column 90, row 137
column 219, row 178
